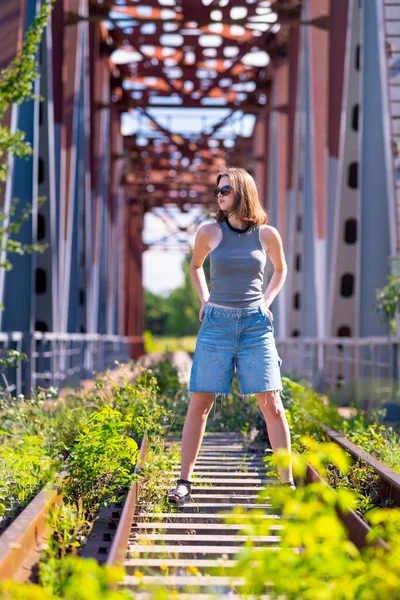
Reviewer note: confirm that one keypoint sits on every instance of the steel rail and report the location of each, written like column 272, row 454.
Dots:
column 356, row 527
column 390, row 479
column 20, row 543
column 116, row 555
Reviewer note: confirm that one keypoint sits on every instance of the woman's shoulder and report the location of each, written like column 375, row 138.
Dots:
column 208, row 229
column 210, row 233
column 268, row 234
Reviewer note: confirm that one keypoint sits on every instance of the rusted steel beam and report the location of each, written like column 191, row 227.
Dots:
column 20, row 542
column 117, row 552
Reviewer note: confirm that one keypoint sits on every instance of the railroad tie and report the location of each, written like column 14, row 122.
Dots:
column 180, row 547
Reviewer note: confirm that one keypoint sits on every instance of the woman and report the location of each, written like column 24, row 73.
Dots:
column 236, row 323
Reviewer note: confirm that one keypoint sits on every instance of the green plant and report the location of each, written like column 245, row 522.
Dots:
column 24, row 467
column 39, row 433
column 308, row 411
column 102, row 460
column 149, row 344
column 186, row 343
column 388, row 301
column 327, row 565
column 68, row 522
column 74, row 579
column 154, row 475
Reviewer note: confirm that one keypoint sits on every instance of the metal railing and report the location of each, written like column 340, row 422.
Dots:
column 61, row 359
column 332, row 362
column 65, row 359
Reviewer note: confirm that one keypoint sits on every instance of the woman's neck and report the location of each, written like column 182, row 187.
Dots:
column 237, row 223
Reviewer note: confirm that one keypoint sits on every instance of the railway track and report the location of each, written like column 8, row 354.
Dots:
column 182, row 547
column 190, row 550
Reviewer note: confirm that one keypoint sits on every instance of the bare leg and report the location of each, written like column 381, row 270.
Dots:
column 273, row 411
column 193, row 431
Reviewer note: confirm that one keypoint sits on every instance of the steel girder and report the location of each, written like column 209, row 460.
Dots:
column 78, row 284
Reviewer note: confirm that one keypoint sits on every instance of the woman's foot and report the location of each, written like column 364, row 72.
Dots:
column 181, row 494
column 290, row 484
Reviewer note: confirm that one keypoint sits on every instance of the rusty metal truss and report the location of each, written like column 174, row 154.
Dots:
column 189, row 54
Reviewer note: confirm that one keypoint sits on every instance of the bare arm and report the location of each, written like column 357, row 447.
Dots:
column 200, row 251
column 272, row 243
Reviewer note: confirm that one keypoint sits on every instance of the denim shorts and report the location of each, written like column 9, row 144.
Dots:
column 240, row 339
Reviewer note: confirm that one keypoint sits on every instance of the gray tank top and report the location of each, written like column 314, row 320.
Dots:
column 237, row 267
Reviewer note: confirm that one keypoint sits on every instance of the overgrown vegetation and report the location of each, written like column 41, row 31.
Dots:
column 328, row 565
column 315, row 557
column 98, row 433
column 94, row 438
column 307, row 413
column 80, row 579
column 155, row 343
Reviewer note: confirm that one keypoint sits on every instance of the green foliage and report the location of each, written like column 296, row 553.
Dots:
column 56, row 422
column 388, row 300
column 77, row 579
column 308, row 411
column 38, row 434
column 154, row 474
column 149, row 343
column 328, row 565
column 85, row 579
column 35, row 438
column 24, row 467
column 156, row 312
column 11, row 358
column 101, row 464
column 167, row 377
column 317, row 455
column 139, row 401
column 186, row 343
column 102, row 460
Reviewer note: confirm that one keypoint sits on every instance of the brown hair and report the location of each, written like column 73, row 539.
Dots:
column 247, row 206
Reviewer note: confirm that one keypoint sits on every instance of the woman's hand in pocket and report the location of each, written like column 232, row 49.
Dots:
column 201, row 312
column 269, row 313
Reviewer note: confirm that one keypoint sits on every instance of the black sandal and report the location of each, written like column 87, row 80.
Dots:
column 291, row 484
column 182, row 498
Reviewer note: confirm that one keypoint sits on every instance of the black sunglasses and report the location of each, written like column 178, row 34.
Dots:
column 224, row 190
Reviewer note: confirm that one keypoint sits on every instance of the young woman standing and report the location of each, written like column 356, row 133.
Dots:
column 236, row 323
